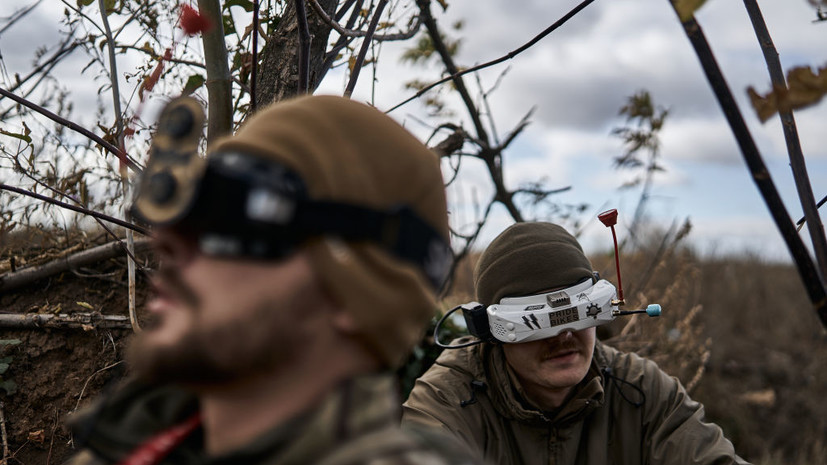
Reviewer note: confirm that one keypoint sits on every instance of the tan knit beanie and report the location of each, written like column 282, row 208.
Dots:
column 529, row 258
column 351, row 153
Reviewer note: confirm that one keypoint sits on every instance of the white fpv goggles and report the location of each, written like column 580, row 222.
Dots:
column 530, row 318
column 523, row 319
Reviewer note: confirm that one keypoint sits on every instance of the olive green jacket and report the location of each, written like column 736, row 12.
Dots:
column 358, row 423
column 625, row 412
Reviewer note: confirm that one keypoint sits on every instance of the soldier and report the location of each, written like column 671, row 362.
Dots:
column 562, row 398
column 299, row 263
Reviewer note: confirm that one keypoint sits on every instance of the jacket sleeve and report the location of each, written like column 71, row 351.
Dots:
column 434, row 403
column 675, row 430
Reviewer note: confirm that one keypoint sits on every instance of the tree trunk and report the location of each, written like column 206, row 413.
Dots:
column 278, row 74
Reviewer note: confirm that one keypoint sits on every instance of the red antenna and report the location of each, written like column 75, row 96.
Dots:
column 609, row 219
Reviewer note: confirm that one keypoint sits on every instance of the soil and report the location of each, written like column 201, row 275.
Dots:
column 58, row 371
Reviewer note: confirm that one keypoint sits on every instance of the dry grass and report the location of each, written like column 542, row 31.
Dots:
column 741, row 336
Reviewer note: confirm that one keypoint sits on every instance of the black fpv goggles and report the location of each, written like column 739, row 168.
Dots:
column 240, row 205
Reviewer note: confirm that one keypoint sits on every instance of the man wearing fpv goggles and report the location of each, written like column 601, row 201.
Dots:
column 534, row 386
column 299, row 263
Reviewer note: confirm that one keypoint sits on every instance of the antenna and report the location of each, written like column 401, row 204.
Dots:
column 609, row 219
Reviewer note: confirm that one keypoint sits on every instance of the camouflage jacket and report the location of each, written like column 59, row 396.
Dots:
column 358, row 423
column 625, row 412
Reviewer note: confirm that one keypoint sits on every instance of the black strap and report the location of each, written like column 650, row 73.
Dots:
column 399, row 230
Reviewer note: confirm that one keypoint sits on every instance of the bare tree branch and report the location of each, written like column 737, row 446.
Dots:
column 797, row 163
column 348, row 32
column 758, row 169
column 357, row 67
column 448, row 61
column 508, row 56
column 67, row 206
column 73, row 126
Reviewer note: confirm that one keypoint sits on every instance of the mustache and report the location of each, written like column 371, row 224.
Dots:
column 171, row 282
column 560, row 347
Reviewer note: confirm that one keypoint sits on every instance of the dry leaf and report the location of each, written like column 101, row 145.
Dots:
column 87, row 327
column 86, row 305
column 686, row 8
column 805, row 88
column 38, row 436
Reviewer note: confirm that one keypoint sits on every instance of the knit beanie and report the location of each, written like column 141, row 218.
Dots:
column 527, row 259
column 351, row 153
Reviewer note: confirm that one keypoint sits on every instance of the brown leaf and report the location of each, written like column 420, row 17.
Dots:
column 38, row 436
column 804, row 88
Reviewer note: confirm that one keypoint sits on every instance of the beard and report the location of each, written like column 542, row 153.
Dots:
column 259, row 339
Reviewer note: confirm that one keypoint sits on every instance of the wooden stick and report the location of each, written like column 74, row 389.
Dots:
column 25, row 276
column 85, row 321
column 3, row 431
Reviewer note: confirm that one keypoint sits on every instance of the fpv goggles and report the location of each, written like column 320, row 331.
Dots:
column 530, row 318
column 240, row 205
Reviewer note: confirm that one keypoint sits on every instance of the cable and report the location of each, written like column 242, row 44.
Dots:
column 439, row 325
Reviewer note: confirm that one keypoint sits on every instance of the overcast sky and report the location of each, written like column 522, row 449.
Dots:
column 580, row 75
column 578, row 78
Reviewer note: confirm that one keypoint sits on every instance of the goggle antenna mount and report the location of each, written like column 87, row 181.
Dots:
column 609, row 219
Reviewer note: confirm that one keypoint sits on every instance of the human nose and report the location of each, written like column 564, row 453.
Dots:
column 565, row 335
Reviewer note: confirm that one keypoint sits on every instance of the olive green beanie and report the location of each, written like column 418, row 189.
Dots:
column 527, row 259
column 351, row 153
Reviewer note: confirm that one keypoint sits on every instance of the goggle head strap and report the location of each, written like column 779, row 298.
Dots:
column 245, row 206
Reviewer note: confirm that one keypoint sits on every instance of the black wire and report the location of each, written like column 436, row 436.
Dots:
column 615, row 380
column 439, row 325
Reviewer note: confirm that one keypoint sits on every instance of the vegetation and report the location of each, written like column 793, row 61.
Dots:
column 739, row 333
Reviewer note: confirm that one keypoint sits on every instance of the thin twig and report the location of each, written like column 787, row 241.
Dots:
column 450, row 66
column 351, row 33
column 73, row 126
column 80, row 396
column 508, row 56
column 3, row 431
column 63, row 194
column 18, row 15
column 116, row 102
column 363, row 51
column 74, row 208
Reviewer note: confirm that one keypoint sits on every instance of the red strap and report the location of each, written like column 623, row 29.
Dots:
column 154, row 449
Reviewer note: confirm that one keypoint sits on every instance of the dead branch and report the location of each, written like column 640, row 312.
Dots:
column 74, row 208
column 69, row 124
column 363, row 51
column 3, row 431
column 25, row 276
column 84, row 321
column 797, row 163
column 347, row 32
column 508, row 56
column 441, row 49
